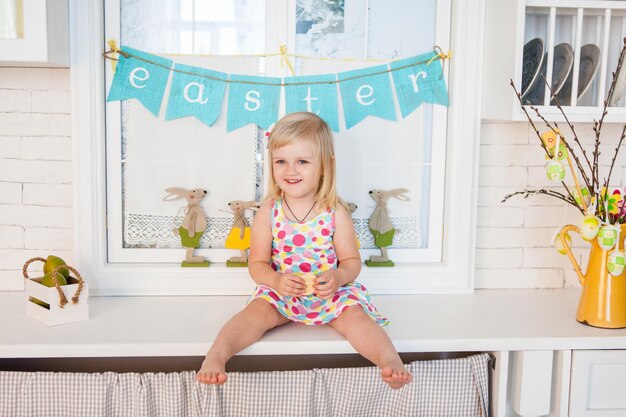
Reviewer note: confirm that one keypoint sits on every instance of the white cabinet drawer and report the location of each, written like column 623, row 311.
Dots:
column 598, row 383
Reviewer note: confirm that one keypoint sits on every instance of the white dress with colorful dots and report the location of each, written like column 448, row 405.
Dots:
column 302, row 248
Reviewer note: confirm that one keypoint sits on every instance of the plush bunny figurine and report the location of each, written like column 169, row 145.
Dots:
column 351, row 209
column 239, row 236
column 381, row 226
column 194, row 222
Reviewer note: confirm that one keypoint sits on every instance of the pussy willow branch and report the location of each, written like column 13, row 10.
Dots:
column 567, row 146
column 617, row 148
column 551, row 193
column 571, row 127
column 609, row 96
column 530, row 120
column 572, row 200
column 595, row 176
column 597, row 126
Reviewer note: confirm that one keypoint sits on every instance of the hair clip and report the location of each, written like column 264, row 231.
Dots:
column 269, row 130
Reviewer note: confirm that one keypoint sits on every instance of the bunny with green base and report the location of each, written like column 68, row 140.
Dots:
column 194, row 223
column 380, row 224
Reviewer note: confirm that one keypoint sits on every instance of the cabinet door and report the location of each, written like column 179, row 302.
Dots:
column 598, row 384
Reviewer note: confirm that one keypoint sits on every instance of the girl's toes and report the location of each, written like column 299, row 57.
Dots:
column 211, row 378
column 386, row 374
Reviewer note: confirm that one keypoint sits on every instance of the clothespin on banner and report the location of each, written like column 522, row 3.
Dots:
column 113, row 50
column 284, row 59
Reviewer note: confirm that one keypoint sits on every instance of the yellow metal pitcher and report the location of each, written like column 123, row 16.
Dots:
column 603, row 299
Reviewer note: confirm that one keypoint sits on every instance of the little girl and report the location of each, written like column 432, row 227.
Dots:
column 304, row 228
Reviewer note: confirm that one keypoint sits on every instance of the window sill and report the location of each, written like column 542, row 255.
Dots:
column 488, row 320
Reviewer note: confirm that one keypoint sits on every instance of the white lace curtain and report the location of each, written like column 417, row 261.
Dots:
column 449, row 387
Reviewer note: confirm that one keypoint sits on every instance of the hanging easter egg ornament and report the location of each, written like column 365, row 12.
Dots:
column 589, row 227
column 586, row 197
column 559, row 245
column 555, row 170
column 616, row 259
column 615, row 262
column 607, row 236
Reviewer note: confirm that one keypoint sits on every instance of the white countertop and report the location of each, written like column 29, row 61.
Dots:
column 488, row 320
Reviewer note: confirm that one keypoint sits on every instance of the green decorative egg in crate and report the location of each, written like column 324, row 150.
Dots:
column 47, row 296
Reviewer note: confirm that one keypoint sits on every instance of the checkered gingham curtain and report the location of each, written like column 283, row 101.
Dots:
column 446, row 388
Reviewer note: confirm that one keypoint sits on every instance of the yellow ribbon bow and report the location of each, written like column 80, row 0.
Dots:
column 439, row 54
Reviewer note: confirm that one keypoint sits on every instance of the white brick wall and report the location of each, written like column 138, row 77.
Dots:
column 35, row 169
column 513, row 238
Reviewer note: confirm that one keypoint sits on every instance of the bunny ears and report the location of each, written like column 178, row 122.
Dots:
column 384, row 195
column 398, row 193
column 176, row 193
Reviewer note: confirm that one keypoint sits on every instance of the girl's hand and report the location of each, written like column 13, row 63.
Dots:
column 326, row 284
column 291, row 285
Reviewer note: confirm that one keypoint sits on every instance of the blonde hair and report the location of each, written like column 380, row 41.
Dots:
column 312, row 129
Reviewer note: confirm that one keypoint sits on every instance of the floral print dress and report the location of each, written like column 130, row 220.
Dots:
column 304, row 248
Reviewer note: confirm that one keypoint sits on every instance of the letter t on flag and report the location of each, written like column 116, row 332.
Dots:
column 142, row 76
column 320, row 97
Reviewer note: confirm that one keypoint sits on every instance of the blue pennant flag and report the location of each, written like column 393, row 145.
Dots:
column 363, row 94
column 315, row 94
column 142, row 76
column 255, row 100
column 199, row 95
column 419, row 82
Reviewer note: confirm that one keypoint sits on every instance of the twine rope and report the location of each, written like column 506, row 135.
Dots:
column 439, row 55
column 62, row 299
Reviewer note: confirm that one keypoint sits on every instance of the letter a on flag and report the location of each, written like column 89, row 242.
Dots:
column 196, row 92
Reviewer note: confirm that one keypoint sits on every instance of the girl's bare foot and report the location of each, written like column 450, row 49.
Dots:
column 395, row 378
column 212, row 371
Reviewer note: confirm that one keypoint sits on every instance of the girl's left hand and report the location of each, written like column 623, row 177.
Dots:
column 326, row 284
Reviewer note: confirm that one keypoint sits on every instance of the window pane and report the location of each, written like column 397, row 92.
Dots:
column 377, row 31
column 157, row 154
column 194, row 26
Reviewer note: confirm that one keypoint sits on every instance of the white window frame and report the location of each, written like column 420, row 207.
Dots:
column 454, row 275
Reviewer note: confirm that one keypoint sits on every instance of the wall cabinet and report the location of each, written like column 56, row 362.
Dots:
column 43, row 40
column 571, row 43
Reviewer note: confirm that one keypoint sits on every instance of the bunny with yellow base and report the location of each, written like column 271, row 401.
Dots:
column 239, row 236
column 194, row 223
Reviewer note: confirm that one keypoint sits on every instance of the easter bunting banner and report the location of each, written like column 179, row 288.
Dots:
column 199, row 92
